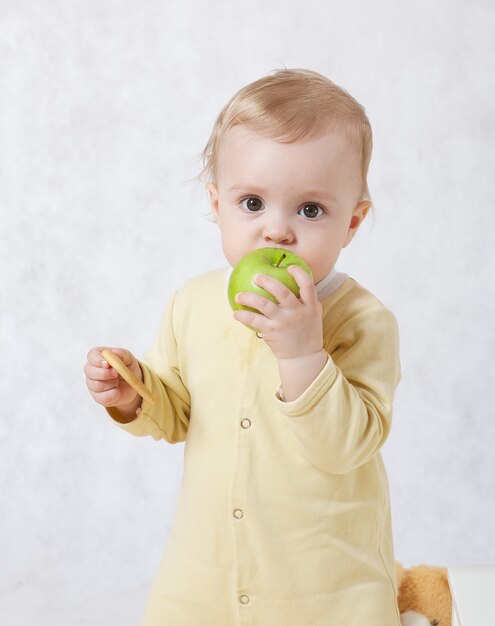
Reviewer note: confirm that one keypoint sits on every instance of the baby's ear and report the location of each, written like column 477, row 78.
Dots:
column 358, row 215
column 213, row 193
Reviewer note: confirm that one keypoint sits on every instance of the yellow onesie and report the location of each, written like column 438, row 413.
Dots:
column 283, row 517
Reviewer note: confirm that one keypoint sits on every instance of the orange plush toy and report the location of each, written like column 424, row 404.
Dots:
column 424, row 596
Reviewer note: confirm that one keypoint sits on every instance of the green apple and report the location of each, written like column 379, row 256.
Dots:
column 271, row 261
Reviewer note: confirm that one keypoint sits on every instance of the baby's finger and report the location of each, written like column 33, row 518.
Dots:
column 100, row 386
column 94, row 372
column 308, row 293
column 108, row 398
column 256, row 301
column 94, row 356
column 277, row 289
column 253, row 320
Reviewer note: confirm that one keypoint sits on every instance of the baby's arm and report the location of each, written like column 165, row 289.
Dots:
column 344, row 417
column 341, row 414
column 165, row 418
column 292, row 329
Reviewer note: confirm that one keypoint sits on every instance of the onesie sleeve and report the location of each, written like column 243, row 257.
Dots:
column 344, row 417
column 168, row 418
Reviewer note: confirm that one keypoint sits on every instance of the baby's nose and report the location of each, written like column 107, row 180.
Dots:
column 278, row 231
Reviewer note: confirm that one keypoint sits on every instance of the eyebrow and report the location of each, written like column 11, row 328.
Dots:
column 309, row 193
column 244, row 187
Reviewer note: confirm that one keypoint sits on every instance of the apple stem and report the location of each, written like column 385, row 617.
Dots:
column 280, row 260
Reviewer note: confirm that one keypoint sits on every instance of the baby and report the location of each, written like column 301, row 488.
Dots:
column 283, row 517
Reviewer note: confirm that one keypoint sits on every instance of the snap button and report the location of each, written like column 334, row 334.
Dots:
column 238, row 514
column 244, row 599
column 246, row 423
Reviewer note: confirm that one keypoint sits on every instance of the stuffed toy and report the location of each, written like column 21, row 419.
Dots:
column 424, row 596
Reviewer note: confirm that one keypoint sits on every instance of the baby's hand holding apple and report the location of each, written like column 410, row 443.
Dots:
column 293, row 327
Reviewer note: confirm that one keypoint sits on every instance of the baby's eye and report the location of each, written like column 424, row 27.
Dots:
column 252, row 204
column 311, row 210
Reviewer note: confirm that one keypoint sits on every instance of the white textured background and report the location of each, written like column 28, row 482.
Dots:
column 104, row 108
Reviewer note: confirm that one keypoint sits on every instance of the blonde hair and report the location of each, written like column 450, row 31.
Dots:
column 288, row 105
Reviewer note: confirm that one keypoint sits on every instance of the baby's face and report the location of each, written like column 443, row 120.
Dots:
column 301, row 196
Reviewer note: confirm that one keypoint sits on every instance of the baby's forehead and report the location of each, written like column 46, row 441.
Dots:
column 324, row 159
column 325, row 134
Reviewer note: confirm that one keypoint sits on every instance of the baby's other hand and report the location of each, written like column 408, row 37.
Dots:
column 105, row 385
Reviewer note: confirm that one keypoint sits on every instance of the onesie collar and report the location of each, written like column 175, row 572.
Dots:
column 330, row 283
